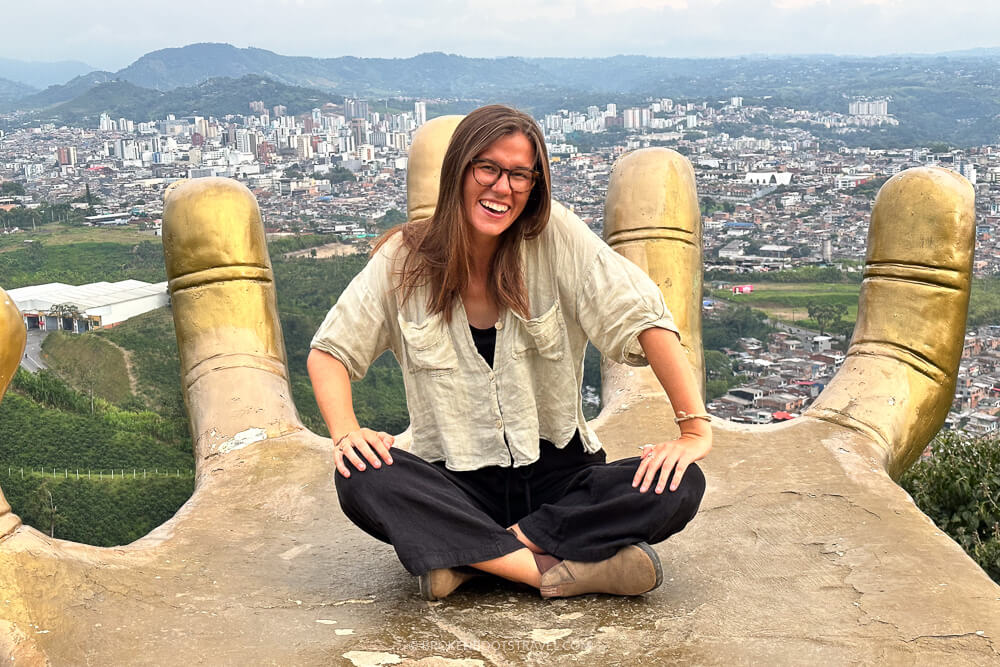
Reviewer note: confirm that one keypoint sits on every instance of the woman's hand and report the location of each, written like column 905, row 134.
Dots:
column 362, row 442
column 674, row 455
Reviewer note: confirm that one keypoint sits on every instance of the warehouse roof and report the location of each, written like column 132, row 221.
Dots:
column 40, row 298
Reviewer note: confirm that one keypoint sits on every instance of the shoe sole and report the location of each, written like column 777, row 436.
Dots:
column 424, row 584
column 655, row 559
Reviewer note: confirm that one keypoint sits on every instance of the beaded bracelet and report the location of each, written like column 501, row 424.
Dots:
column 683, row 416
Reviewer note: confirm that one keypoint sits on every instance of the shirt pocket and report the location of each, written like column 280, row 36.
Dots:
column 544, row 335
column 428, row 345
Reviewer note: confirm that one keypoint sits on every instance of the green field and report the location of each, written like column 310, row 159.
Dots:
column 53, row 235
column 89, row 363
column 789, row 302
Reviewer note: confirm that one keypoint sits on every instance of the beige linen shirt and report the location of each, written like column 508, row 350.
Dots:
column 470, row 415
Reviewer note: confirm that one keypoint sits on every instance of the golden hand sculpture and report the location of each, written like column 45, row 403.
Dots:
column 805, row 549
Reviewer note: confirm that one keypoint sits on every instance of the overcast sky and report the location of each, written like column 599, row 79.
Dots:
column 110, row 34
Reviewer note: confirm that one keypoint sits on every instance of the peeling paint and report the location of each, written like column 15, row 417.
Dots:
column 546, row 636
column 372, row 658
column 344, row 631
column 242, row 439
column 295, row 551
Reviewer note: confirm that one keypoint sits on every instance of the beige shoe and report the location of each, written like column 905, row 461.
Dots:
column 634, row 570
column 438, row 584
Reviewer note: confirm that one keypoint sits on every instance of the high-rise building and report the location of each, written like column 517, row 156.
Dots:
column 356, row 108
column 67, row 155
column 359, row 130
column 420, row 113
column 280, row 110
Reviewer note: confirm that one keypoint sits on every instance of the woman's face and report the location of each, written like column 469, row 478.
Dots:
column 491, row 209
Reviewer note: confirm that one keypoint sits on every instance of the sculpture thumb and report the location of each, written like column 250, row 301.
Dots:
column 233, row 366
column 12, row 330
column 897, row 383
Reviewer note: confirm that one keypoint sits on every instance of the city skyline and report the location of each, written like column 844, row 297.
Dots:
column 112, row 34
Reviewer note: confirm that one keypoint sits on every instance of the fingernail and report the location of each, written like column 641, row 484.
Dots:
column 361, row 467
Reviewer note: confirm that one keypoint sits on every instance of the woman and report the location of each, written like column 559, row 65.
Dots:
column 488, row 306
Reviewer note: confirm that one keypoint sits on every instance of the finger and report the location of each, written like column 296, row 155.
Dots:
column 898, row 381
column 387, row 442
column 664, row 459
column 425, row 157
column 363, row 445
column 223, row 300
column 641, row 470
column 675, row 481
column 351, row 455
column 378, row 449
column 338, row 461
column 653, row 218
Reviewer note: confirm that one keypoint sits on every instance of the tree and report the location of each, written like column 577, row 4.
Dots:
column 43, row 506
column 340, row 175
column 392, row 218
column 827, row 315
column 958, row 487
column 10, row 188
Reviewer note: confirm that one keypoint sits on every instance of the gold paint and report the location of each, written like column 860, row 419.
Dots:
column 652, row 217
column 423, row 172
column 13, row 336
column 225, row 312
column 899, row 378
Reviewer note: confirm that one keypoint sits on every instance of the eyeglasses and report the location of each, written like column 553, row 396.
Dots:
column 488, row 172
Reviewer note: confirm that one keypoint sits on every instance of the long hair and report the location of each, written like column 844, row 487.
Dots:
column 439, row 248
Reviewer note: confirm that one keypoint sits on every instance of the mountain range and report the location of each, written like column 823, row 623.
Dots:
column 951, row 97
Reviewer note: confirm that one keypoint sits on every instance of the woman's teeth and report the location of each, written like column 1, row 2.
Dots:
column 493, row 206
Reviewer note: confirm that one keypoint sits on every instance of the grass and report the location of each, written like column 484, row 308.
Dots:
column 55, row 234
column 789, row 302
column 84, row 360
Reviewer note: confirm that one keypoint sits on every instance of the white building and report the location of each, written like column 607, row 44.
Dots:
column 98, row 305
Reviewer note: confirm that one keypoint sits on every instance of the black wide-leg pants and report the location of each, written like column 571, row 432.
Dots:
column 570, row 503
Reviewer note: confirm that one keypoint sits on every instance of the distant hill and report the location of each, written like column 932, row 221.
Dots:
column 429, row 74
column 215, row 97
column 11, row 91
column 39, row 75
column 937, row 98
column 65, row 92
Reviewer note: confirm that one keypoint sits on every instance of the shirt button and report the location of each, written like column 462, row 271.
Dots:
column 493, row 378
column 499, row 325
column 499, row 423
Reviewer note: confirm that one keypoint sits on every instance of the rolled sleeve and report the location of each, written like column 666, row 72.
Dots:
column 618, row 302
column 355, row 330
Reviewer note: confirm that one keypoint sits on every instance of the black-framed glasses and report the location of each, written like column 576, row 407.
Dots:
column 488, row 172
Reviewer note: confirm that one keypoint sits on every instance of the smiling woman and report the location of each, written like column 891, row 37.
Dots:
column 488, row 305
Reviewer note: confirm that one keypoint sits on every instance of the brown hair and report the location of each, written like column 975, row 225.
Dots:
column 439, row 247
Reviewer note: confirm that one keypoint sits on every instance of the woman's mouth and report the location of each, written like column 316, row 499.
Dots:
column 494, row 209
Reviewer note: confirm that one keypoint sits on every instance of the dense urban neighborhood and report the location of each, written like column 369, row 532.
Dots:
column 786, row 194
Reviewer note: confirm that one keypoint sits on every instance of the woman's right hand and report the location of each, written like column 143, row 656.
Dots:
column 359, row 445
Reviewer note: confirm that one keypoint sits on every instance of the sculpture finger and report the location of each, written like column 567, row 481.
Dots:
column 423, row 169
column 233, row 365
column 897, row 383
column 12, row 340
column 652, row 217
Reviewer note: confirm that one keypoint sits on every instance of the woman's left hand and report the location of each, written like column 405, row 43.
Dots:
column 674, row 455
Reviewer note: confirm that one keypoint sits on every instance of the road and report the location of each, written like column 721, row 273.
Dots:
column 32, row 360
